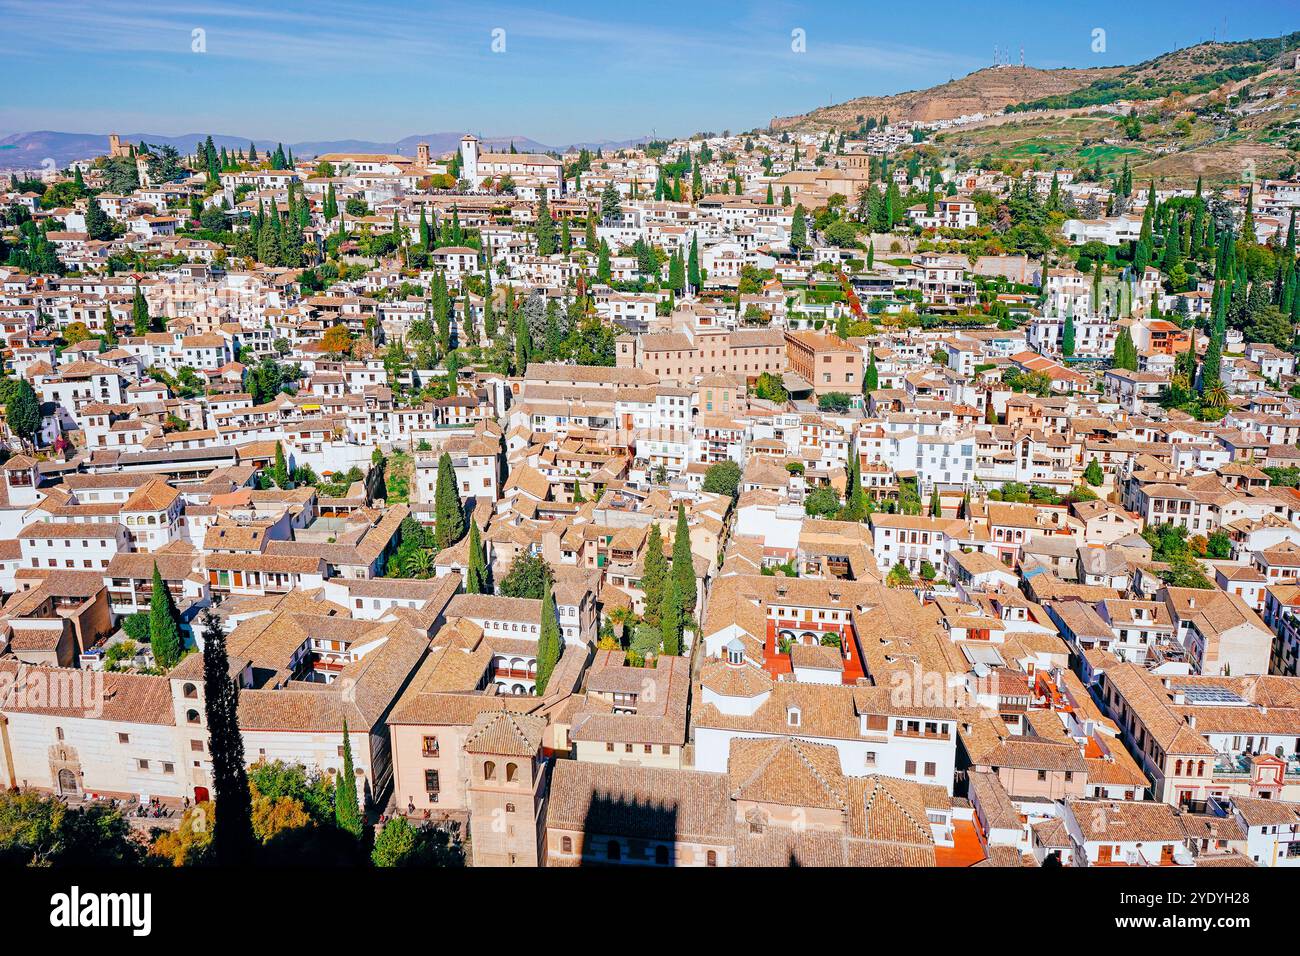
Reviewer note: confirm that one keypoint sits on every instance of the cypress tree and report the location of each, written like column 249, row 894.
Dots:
column 139, row 312
column 280, row 471
column 449, row 515
column 683, row 570
column 347, row 809
column 476, row 575
column 164, row 624
column 670, row 621
column 936, row 505
column 232, row 833
column 654, row 576
column 799, row 229
column 545, row 228
column 1067, row 335
column 693, row 274
column 548, row 641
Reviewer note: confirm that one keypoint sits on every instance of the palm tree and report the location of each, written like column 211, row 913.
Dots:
column 419, row 563
column 1216, row 396
column 619, row 618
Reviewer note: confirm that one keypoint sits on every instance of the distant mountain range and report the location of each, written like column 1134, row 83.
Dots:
column 29, row 150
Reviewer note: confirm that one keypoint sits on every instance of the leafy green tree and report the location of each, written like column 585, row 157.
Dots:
column 1219, row 545
column 164, row 624
column 232, row 836
column 347, row 810
column 43, row 831
column 871, row 377
column 899, row 576
column 1093, row 474
column 23, row 412
column 770, row 388
column 834, row 402
column 823, row 502
column 528, row 576
column 723, row 478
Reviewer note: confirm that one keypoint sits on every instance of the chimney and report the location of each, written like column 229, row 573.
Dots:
column 1191, row 721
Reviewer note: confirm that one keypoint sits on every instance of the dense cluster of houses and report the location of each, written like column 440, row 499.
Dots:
column 976, row 657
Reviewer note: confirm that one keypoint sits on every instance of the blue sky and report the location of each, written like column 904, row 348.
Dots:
column 330, row 69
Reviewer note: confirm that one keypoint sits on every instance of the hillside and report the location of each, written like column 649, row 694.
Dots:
column 984, row 91
column 1189, row 71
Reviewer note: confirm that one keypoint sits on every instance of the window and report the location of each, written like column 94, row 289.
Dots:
column 909, row 768
column 929, row 769
column 566, row 844
column 512, row 771
column 431, row 746
column 489, row 770
column 123, row 738
column 432, row 782
column 711, row 858
column 510, row 808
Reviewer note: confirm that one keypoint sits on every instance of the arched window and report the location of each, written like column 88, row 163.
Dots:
column 661, row 855
column 1200, row 768
column 566, row 844
column 190, row 691
column 613, row 851
column 192, row 716
column 711, row 859
column 1178, row 768
column 489, row 770
column 512, row 771
column 510, row 808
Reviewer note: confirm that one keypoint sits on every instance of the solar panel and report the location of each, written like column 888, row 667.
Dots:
column 1204, row 694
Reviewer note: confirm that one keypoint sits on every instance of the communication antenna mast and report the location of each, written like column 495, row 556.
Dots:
column 1022, row 57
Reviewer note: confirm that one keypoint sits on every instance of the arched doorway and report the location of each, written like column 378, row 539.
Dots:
column 67, row 782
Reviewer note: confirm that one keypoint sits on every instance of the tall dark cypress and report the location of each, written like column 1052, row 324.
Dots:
column 232, row 834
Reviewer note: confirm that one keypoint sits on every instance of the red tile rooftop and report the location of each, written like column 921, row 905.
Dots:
column 967, row 848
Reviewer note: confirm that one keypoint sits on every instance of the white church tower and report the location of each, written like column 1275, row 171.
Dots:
column 469, row 161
